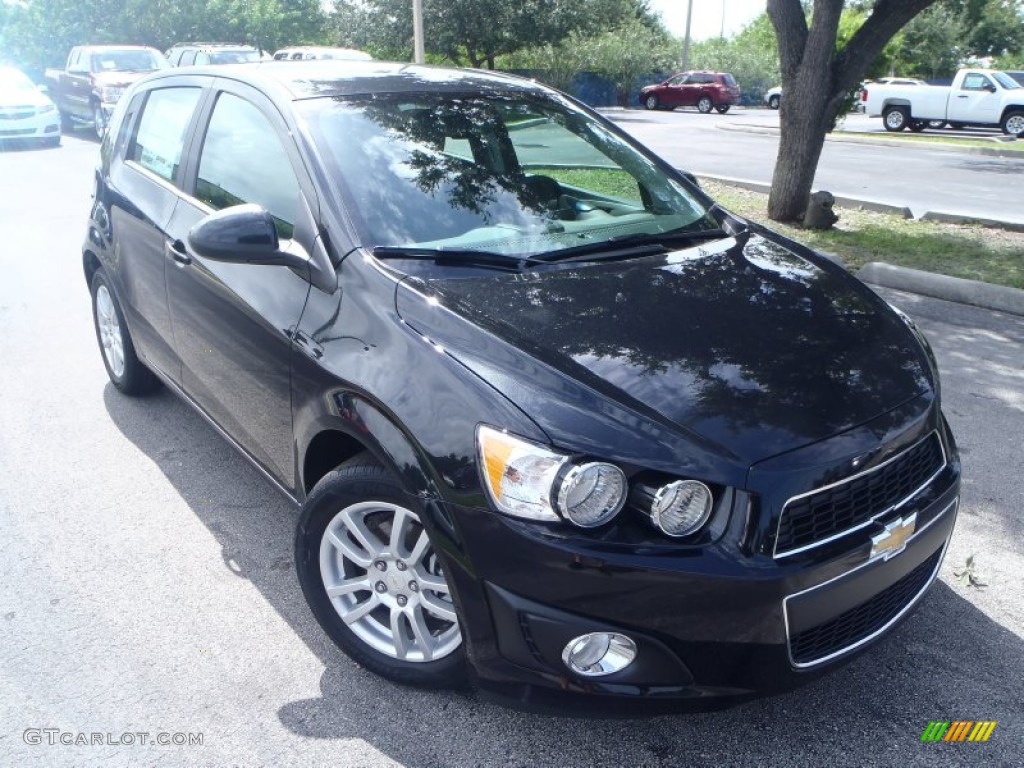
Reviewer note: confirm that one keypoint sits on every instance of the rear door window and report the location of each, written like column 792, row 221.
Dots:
column 160, row 136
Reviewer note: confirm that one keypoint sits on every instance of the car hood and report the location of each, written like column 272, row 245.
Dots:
column 20, row 97
column 748, row 346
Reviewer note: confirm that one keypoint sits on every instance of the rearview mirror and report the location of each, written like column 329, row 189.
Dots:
column 242, row 234
column 689, row 177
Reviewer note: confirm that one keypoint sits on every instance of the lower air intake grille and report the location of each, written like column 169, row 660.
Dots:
column 850, row 628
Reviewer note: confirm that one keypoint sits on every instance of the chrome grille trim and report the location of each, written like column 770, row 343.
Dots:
column 851, row 478
column 955, row 506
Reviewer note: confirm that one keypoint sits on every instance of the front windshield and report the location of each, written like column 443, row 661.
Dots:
column 234, row 57
column 127, row 61
column 516, row 175
column 1005, row 80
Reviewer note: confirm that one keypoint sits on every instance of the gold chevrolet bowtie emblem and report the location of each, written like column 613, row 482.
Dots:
column 893, row 539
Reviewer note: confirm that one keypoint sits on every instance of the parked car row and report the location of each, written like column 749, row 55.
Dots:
column 87, row 89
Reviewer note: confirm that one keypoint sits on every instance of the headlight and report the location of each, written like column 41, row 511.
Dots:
column 679, row 508
column 110, row 94
column 592, row 494
column 519, row 475
column 524, row 479
column 46, row 109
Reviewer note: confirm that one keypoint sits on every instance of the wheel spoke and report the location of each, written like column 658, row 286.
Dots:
column 344, row 545
column 424, row 639
column 420, row 548
column 399, row 527
column 434, row 583
column 399, row 639
column 356, row 525
column 361, row 610
column 438, row 607
column 348, row 586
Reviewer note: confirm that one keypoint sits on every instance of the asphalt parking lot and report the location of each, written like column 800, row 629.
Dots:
column 148, row 584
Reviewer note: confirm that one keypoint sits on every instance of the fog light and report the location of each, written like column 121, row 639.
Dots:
column 682, row 507
column 599, row 653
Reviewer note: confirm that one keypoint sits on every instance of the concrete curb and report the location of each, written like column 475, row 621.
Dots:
column 973, row 292
column 770, row 130
column 843, row 201
column 957, row 218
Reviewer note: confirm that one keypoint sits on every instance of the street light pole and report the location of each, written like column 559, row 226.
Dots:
column 686, row 40
column 417, row 31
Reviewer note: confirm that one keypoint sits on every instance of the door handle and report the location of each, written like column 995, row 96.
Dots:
column 177, row 252
column 963, row 97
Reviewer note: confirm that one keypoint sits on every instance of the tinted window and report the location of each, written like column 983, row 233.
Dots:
column 243, row 161
column 161, row 132
column 729, row 80
column 234, row 57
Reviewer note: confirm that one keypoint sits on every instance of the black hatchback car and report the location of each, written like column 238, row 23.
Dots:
column 557, row 422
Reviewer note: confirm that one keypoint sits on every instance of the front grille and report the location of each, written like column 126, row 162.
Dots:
column 861, row 622
column 17, row 113
column 830, row 512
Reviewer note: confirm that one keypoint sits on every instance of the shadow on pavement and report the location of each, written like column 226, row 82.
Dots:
column 947, row 661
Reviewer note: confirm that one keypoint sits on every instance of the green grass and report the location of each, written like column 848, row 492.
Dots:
column 959, row 250
column 934, row 138
column 610, row 182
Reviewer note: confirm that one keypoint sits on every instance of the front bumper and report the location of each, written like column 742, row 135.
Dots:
column 30, row 126
column 713, row 625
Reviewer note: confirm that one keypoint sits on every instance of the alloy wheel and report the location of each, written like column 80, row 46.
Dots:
column 110, row 331
column 383, row 578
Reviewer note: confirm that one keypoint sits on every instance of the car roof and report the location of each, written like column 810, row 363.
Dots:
column 116, row 47
column 246, row 46
column 332, row 77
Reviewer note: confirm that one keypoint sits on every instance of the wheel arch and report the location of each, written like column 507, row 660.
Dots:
column 895, row 102
column 90, row 265
column 1011, row 108
column 353, row 425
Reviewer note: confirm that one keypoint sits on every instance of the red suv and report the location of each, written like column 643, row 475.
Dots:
column 703, row 90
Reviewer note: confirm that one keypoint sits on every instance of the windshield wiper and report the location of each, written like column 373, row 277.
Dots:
column 631, row 246
column 460, row 256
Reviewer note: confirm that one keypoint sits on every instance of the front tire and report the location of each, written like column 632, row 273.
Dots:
column 372, row 577
column 704, row 105
column 124, row 368
column 773, row 102
column 99, row 121
column 651, row 102
column 1013, row 124
column 895, row 118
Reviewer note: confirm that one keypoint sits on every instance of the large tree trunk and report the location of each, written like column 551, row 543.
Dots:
column 816, row 78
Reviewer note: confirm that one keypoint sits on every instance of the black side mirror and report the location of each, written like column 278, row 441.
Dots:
column 241, row 234
column 990, row 88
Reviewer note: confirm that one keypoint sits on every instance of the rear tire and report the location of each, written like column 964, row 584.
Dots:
column 957, row 126
column 651, row 102
column 124, row 368
column 722, row 109
column 704, row 105
column 895, row 119
column 773, row 102
column 390, row 608
column 918, row 125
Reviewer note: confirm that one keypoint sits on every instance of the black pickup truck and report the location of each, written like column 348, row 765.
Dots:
column 94, row 78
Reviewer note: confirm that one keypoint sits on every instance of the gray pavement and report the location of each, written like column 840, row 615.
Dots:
column 147, row 585
column 920, row 178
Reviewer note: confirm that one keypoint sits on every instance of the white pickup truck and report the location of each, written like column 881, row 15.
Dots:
column 977, row 97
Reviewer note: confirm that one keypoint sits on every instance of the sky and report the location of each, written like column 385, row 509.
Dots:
column 707, row 16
